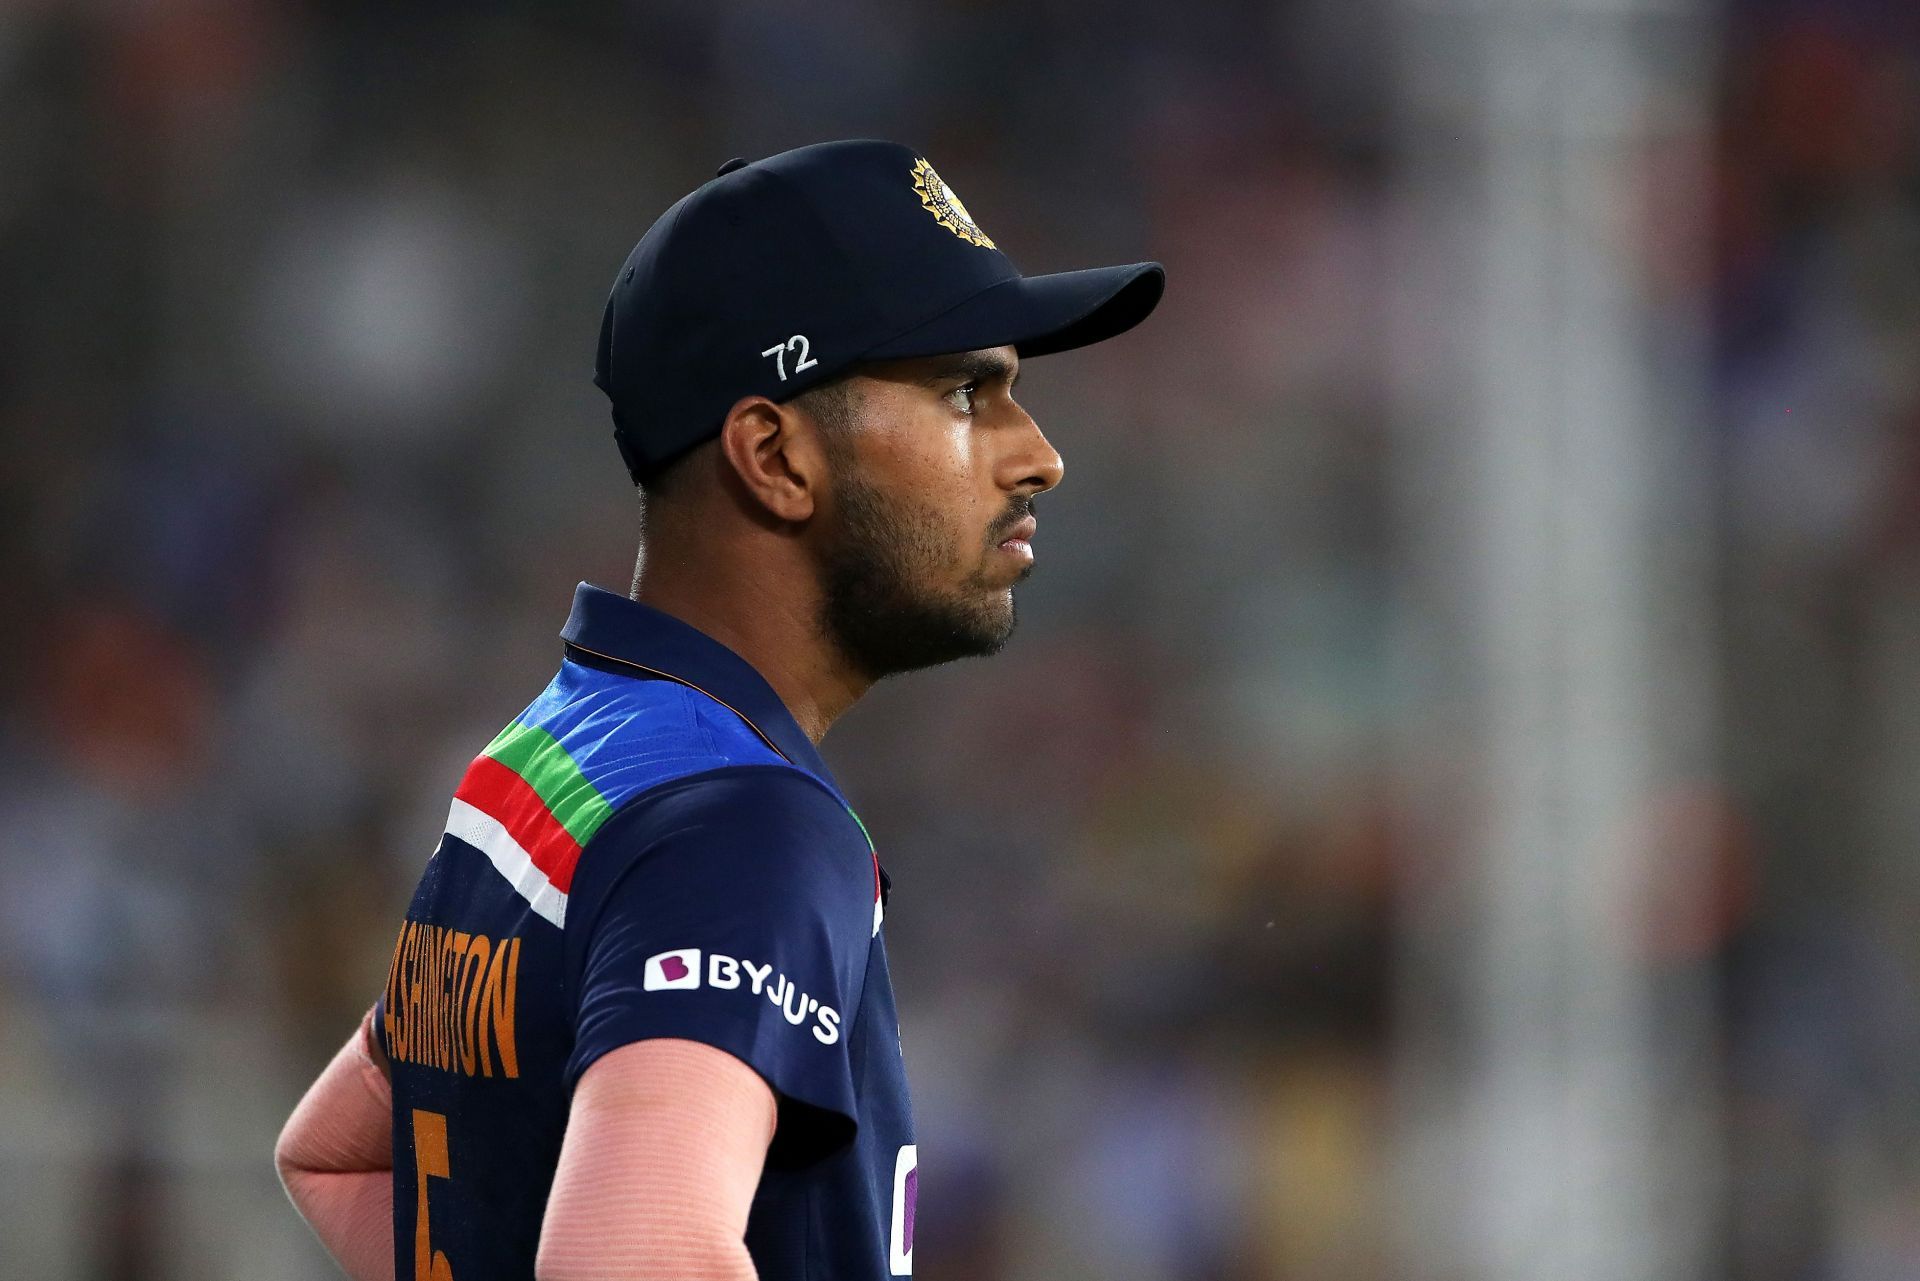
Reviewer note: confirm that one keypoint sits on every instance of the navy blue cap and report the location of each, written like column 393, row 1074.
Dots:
column 782, row 274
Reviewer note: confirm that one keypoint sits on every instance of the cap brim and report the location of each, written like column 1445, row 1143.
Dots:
column 1038, row 315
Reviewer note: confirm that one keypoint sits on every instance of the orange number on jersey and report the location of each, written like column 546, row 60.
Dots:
column 429, row 1161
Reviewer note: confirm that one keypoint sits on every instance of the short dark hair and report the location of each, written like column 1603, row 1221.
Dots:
column 661, row 482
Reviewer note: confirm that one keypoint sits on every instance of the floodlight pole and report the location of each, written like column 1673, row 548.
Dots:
column 1554, row 1083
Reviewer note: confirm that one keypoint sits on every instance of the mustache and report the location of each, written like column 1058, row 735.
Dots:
column 1020, row 510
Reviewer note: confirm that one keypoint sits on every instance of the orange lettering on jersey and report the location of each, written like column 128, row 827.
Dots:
column 397, row 998
column 503, row 981
column 452, row 997
column 391, row 1020
column 436, row 983
column 417, row 992
column 450, row 1010
column 475, row 1035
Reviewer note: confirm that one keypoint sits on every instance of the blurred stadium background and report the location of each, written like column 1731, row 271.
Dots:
column 1448, row 813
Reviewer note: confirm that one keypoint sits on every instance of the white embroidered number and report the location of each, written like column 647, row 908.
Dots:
column 797, row 344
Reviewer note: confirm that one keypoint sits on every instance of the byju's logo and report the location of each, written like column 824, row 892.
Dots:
column 679, row 968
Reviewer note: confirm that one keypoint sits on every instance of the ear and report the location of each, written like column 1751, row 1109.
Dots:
column 775, row 453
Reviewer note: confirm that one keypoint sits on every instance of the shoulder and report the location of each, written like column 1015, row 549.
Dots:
column 628, row 736
column 771, row 800
column 775, row 818
column 766, row 837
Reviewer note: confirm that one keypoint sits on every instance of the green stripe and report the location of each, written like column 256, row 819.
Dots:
column 863, row 829
column 537, row 756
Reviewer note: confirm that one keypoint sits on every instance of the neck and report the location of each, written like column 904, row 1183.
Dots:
column 772, row 628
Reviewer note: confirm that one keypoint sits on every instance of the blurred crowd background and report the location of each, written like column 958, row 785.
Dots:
column 302, row 462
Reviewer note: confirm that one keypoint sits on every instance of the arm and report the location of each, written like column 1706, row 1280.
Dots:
column 695, row 907
column 664, row 1147
column 335, row 1158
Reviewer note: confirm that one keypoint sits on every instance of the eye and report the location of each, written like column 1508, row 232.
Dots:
column 961, row 398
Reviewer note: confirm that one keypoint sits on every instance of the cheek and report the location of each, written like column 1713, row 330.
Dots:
column 946, row 535
column 946, row 458
column 944, row 475
column 938, row 467
column 969, row 503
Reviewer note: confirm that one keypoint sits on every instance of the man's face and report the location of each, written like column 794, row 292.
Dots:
column 931, row 503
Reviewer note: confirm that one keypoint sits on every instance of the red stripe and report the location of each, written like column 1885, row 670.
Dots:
column 494, row 789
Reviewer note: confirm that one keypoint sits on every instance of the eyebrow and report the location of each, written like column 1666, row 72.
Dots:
column 977, row 366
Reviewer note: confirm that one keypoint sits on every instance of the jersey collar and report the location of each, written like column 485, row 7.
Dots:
column 640, row 636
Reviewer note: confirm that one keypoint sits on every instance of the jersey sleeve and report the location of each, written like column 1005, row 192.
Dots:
column 734, row 909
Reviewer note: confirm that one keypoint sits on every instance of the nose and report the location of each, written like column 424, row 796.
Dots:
column 1036, row 463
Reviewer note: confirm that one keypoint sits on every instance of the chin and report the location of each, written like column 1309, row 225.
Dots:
column 1000, row 622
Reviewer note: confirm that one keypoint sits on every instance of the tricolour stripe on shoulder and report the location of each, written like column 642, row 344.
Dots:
column 526, row 805
column 544, row 762
column 488, row 835
column 531, row 805
column 509, row 800
column 873, row 854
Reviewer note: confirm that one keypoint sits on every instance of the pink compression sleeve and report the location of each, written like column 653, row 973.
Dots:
column 335, row 1158
column 664, row 1147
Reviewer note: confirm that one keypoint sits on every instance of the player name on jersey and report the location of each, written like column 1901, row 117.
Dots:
column 451, row 998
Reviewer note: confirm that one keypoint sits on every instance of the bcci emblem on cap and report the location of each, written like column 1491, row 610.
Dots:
column 945, row 206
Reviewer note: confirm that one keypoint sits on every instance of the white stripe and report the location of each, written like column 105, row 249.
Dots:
column 484, row 833
column 876, row 912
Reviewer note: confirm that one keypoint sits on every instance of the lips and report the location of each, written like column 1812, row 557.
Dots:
column 1022, row 533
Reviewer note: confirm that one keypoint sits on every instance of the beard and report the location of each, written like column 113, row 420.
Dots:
column 875, row 605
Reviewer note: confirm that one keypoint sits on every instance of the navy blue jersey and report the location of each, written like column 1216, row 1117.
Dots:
column 652, row 849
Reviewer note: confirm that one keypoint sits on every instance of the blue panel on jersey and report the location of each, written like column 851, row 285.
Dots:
column 625, row 745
